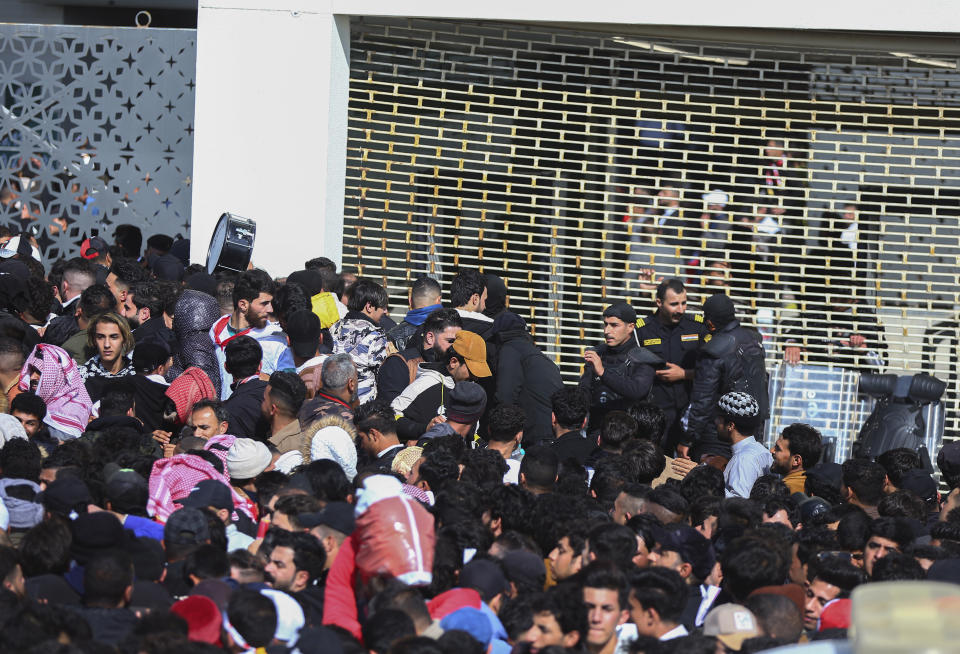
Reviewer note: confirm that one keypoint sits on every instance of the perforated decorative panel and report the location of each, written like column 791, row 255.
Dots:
column 96, row 129
column 820, row 189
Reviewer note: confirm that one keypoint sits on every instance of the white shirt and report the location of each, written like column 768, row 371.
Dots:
column 512, row 475
column 626, row 634
column 384, row 453
column 709, row 594
column 677, row 632
column 236, row 539
column 159, row 379
column 749, row 462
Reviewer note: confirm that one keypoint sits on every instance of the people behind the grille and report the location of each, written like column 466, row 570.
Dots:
column 222, row 483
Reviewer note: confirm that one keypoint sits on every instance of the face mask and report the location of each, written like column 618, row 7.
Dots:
column 849, row 236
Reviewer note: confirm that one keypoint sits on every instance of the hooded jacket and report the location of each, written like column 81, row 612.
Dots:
column 421, row 401
column 195, row 314
column 732, row 360
column 525, row 376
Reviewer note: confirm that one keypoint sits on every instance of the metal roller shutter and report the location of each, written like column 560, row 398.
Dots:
column 539, row 153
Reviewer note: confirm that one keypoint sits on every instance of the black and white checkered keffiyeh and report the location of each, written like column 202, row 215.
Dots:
column 739, row 405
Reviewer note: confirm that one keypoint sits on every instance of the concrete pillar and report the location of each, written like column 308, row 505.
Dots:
column 271, row 128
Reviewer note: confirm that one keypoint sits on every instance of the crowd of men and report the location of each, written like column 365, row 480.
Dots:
column 223, row 463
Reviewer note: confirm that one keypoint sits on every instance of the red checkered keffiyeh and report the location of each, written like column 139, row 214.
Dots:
column 220, row 445
column 173, row 479
column 60, row 387
column 188, row 389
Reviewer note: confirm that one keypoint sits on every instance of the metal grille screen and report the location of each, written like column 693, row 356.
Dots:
column 580, row 165
column 96, row 129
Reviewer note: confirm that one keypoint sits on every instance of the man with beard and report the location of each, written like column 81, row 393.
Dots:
column 294, row 564
column 252, row 306
column 738, row 420
column 143, row 309
column 435, row 336
column 619, row 372
column 422, row 404
column 124, row 273
column 675, row 337
column 797, row 450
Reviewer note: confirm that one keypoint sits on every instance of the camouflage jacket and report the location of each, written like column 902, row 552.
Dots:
column 366, row 343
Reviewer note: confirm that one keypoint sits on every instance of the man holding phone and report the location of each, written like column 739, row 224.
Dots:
column 618, row 372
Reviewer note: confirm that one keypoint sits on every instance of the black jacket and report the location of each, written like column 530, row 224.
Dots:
column 60, row 329
column 573, row 445
column 732, row 360
column 149, row 400
column 104, row 423
column 311, row 601
column 244, row 407
column 385, row 462
column 527, row 377
column 628, row 372
column 156, row 331
column 110, row 626
column 677, row 344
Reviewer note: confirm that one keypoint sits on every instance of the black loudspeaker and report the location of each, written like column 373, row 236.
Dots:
column 899, row 417
column 892, row 424
column 232, row 244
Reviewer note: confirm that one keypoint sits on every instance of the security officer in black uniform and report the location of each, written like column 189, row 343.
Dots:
column 675, row 337
column 619, row 372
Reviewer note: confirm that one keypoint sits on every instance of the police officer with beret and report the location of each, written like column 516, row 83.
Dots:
column 675, row 337
column 619, row 372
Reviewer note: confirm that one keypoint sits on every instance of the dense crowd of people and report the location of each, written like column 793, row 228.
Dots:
column 201, row 463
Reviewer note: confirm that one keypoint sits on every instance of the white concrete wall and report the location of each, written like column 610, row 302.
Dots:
column 272, row 87
column 271, row 130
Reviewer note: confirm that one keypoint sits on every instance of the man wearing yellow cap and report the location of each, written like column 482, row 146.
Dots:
column 423, row 403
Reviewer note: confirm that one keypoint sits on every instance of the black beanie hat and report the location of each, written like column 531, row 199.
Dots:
column 718, row 309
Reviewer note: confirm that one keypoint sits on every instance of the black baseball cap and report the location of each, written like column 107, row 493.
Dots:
column 126, row 487
column 719, row 309
column 65, row 495
column 484, row 576
column 948, row 460
column 336, row 515
column 208, row 492
column 690, row 544
column 303, row 330
column 186, row 526
column 93, row 247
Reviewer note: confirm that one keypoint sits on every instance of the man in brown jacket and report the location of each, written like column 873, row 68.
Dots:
column 282, row 400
